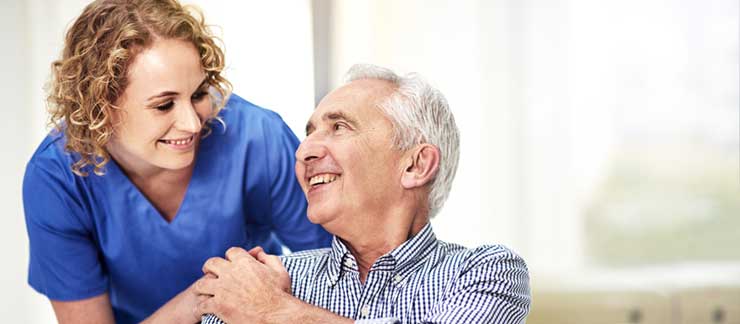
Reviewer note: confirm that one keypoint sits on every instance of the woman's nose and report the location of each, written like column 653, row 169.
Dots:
column 188, row 119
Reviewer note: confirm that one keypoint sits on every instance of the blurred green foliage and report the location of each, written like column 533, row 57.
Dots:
column 664, row 204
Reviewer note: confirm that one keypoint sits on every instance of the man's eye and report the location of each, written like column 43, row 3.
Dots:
column 339, row 126
column 166, row 106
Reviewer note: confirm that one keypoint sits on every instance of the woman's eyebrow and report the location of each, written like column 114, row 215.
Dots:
column 171, row 93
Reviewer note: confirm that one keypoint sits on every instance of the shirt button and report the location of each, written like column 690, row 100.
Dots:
column 365, row 310
column 397, row 279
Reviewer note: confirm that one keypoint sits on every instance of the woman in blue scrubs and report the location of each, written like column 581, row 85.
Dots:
column 153, row 168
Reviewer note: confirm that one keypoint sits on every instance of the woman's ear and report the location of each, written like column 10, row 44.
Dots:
column 423, row 166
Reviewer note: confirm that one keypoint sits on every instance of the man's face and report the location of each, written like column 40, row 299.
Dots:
column 347, row 165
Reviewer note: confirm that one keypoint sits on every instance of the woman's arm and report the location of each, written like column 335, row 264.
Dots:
column 98, row 310
column 64, row 263
column 180, row 309
column 95, row 310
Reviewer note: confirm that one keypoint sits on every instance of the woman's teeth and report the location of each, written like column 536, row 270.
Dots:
column 179, row 142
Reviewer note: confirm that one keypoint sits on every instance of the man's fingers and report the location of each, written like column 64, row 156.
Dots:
column 255, row 251
column 205, row 286
column 235, row 253
column 215, row 265
column 260, row 255
column 271, row 261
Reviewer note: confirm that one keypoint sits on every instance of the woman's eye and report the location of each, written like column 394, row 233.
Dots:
column 199, row 95
column 166, row 106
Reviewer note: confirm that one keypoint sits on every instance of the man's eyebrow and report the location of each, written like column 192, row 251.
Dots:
column 328, row 116
column 170, row 93
column 337, row 115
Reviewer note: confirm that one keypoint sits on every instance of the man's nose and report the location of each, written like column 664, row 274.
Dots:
column 312, row 148
column 188, row 119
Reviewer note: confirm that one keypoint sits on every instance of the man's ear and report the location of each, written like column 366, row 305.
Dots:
column 422, row 166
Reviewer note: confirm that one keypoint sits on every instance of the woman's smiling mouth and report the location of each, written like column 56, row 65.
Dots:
column 180, row 143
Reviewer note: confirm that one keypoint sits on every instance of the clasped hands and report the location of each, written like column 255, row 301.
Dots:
column 246, row 286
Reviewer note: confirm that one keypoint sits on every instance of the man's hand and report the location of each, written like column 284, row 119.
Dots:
column 273, row 262
column 245, row 287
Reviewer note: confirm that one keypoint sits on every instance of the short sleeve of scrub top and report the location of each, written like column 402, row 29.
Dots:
column 96, row 234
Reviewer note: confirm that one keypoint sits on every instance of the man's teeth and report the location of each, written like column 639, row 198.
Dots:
column 323, row 178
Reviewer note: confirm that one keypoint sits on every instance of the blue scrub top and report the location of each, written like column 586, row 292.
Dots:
column 96, row 234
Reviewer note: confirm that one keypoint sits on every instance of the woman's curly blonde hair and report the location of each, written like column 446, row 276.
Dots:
column 91, row 74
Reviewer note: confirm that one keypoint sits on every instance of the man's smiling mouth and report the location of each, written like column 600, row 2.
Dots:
column 322, row 179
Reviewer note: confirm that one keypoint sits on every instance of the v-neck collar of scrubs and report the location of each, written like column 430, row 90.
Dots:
column 135, row 195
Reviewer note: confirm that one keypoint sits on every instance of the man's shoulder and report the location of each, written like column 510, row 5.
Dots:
column 306, row 264
column 306, row 256
column 486, row 268
column 497, row 256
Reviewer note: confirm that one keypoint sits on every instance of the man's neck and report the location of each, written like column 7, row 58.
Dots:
column 367, row 247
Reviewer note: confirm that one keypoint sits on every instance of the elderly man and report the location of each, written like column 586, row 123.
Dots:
column 377, row 163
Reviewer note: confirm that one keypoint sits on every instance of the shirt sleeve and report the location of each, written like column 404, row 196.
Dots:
column 213, row 319
column 290, row 223
column 493, row 288
column 388, row 320
column 210, row 319
column 64, row 262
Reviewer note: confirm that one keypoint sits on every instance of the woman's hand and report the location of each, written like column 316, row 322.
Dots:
column 180, row 309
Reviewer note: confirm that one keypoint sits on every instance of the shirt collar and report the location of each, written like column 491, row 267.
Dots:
column 403, row 260
column 338, row 257
column 413, row 252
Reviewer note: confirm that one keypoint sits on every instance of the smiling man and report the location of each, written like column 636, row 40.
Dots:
column 377, row 163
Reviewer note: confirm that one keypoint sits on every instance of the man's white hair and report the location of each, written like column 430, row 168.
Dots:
column 419, row 114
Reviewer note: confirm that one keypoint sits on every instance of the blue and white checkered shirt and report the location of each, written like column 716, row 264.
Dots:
column 424, row 280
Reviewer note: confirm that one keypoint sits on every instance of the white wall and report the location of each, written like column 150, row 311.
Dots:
column 269, row 53
column 20, row 129
column 13, row 130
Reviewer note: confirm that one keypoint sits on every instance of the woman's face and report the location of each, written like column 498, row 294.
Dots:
column 162, row 109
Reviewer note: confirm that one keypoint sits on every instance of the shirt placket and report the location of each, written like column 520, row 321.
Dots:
column 370, row 301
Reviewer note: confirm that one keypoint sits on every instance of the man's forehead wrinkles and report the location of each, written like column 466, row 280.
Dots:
column 333, row 115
